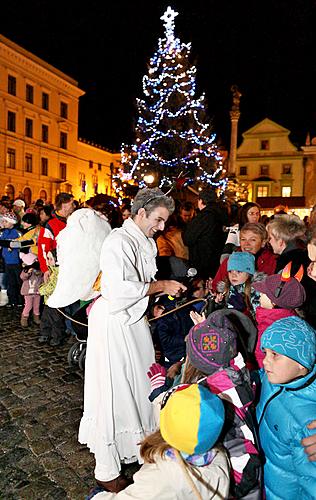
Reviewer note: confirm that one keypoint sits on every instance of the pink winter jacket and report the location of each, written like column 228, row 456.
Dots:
column 265, row 318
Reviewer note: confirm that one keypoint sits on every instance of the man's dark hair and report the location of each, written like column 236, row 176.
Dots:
column 208, row 196
column 47, row 209
column 187, row 206
column 62, row 198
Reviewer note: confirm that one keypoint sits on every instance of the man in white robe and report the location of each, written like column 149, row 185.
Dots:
column 117, row 413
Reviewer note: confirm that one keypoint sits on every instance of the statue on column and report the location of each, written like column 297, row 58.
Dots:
column 236, row 97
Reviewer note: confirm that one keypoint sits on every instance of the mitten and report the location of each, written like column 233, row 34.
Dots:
column 156, row 375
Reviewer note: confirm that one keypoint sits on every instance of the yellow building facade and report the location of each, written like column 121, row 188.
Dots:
column 40, row 153
column 269, row 164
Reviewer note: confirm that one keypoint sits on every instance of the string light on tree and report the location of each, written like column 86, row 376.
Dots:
column 174, row 142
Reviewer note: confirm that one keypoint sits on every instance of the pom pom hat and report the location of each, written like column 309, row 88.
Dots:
column 192, row 419
column 292, row 337
column 241, row 261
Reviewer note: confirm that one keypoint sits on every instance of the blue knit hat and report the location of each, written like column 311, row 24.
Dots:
column 241, row 261
column 293, row 337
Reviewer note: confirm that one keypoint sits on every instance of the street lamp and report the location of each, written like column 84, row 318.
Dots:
column 149, row 178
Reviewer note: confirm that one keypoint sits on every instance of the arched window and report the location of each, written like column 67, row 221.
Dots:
column 27, row 196
column 43, row 195
column 9, row 191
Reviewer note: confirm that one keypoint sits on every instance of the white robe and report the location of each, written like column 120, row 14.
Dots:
column 117, row 412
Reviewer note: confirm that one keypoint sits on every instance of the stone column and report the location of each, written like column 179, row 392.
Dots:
column 234, row 117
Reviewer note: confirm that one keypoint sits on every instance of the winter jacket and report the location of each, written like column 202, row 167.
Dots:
column 165, row 480
column 265, row 263
column 265, row 318
column 170, row 243
column 283, row 414
column 31, row 282
column 10, row 255
column 233, row 386
column 29, row 239
column 47, row 238
column 205, row 238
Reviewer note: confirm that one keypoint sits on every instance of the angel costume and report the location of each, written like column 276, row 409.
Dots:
column 117, row 413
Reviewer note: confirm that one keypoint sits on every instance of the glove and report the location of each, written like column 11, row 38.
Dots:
column 157, row 375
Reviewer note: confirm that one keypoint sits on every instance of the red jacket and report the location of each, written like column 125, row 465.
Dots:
column 265, row 318
column 265, row 263
column 47, row 238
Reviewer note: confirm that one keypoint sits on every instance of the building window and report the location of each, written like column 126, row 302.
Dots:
column 28, row 127
column 11, row 85
column 11, row 158
column 262, row 191
column 264, row 145
column 45, row 133
column 99, row 166
column 45, row 101
column 287, row 169
column 63, row 171
column 90, row 164
column 11, row 121
column 28, row 162
column 29, row 93
column 264, row 169
column 44, row 166
column 243, row 171
column 64, row 110
column 286, row 191
column 63, row 140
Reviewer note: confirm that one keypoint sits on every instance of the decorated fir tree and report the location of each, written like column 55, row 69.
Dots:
column 175, row 146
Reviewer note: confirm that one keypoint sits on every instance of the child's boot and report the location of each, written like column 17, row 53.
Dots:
column 24, row 321
column 36, row 319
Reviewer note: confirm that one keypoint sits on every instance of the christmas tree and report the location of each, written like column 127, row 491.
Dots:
column 174, row 145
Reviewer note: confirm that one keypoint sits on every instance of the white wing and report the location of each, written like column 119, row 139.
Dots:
column 78, row 254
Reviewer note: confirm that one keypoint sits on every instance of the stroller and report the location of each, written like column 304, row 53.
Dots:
column 79, row 322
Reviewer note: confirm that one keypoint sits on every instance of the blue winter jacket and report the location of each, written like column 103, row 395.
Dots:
column 283, row 414
column 10, row 256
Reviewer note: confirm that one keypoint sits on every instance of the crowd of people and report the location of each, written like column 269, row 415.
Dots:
column 205, row 379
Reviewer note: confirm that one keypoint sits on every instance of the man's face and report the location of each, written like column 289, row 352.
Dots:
column 67, row 208
column 250, row 242
column 281, row 369
column 186, row 215
column 155, row 221
column 276, row 244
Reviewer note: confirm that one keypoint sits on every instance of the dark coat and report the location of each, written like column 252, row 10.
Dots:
column 205, row 238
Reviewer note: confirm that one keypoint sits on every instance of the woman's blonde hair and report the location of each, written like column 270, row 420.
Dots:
column 153, row 445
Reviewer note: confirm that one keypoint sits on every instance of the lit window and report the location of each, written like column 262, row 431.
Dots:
column 286, row 191
column 262, row 191
column 243, row 171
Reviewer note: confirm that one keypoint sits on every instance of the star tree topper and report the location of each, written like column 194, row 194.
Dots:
column 168, row 18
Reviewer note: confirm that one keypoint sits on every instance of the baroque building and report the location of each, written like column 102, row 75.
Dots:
column 271, row 166
column 40, row 153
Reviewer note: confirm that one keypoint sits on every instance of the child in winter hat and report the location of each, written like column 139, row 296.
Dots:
column 280, row 296
column 181, row 460
column 287, row 405
column 237, row 291
column 213, row 354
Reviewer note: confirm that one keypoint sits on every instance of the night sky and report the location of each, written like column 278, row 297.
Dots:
column 266, row 47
